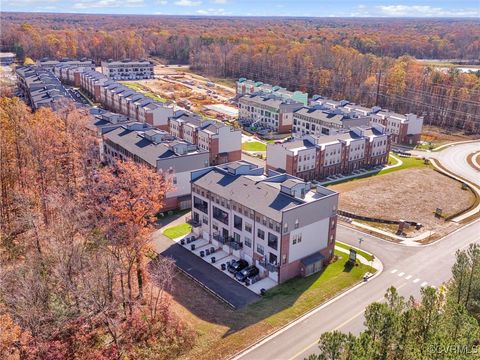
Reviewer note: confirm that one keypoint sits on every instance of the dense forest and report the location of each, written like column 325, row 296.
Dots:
column 74, row 236
column 365, row 61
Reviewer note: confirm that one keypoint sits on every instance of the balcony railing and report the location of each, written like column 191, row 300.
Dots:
column 193, row 222
column 269, row 266
column 229, row 241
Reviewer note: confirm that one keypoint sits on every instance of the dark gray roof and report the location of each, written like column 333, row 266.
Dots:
column 257, row 195
column 311, row 259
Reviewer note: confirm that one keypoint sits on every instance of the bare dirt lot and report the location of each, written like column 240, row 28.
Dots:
column 440, row 136
column 411, row 194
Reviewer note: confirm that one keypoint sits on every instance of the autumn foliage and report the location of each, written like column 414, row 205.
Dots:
column 75, row 282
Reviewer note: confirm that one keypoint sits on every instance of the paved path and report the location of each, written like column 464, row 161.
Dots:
column 407, row 268
column 216, row 281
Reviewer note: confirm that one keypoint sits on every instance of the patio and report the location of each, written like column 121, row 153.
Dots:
column 203, row 247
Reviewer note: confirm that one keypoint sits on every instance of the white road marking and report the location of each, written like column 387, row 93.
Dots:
column 401, row 274
column 408, row 277
column 393, row 271
column 416, row 280
column 423, row 284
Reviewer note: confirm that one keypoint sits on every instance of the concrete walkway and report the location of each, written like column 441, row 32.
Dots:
column 376, row 264
column 399, row 163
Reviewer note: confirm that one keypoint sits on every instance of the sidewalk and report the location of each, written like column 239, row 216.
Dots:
column 376, row 264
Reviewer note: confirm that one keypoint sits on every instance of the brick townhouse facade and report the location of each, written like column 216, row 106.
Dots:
column 317, row 157
column 275, row 221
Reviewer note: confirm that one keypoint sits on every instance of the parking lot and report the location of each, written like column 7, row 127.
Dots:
column 219, row 282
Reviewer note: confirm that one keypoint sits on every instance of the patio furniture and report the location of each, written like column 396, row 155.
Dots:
column 202, row 253
column 223, row 267
column 192, row 238
column 207, row 252
column 212, row 250
column 192, row 247
column 182, row 242
column 188, row 240
column 247, row 282
column 262, row 291
column 213, row 259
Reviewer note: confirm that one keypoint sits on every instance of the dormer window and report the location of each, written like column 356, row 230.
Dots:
column 297, row 224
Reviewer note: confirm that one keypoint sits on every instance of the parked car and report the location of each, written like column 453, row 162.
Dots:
column 237, row 265
column 247, row 273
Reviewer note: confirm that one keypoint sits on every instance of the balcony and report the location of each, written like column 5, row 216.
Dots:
column 229, row 241
column 192, row 222
column 269, row 266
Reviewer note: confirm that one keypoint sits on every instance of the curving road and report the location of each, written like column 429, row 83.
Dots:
column 407, row 268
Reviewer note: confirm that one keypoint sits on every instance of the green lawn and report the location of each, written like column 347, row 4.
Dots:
column 254, row 146
column 408, row 162
column 367, row 256
column 177, row 231
column 281, row 305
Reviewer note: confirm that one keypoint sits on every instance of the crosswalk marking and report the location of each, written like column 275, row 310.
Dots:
column 393, row 271
column 416, row 280
column 423, row 284
column 408, row 277
column 401, row 274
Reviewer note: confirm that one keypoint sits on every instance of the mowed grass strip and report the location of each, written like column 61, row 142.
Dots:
column 367, row 256
column 177, row 231
column 222, row 332
column 254, row 146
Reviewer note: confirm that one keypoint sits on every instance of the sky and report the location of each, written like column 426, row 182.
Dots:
column 315, row 8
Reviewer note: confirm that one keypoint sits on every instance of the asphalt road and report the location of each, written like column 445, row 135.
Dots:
column 407, row 268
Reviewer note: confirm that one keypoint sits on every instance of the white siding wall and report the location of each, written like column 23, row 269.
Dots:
column 357, row 150
column 333, row 154
column 229, row 140
column 276, row 156
column 306, row 159
column 314, row 238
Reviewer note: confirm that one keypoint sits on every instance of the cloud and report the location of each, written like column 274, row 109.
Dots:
column 188, row 3
column 219, row 1
column 88, row 4
column 412, row 11
column 162, row 2
column 213, row 12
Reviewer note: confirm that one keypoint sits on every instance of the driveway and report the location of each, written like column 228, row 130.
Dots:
column 215, row 280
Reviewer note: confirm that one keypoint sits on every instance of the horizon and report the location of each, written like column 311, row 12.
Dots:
column 268, row 8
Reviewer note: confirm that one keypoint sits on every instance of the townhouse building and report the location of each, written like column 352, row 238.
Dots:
column 127, row 69
column 317, row 157
column 47, row 63
column 275, row 222
column 161, row 151
column 246, row 86
column 223, row 142
column 267, row 111
column 404, row 129
column 70, row 74
column 40, row 87
column 318, row 121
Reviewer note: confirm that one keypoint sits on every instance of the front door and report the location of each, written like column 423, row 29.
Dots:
column 225, row 233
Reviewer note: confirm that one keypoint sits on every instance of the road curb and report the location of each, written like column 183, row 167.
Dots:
column 305, row 316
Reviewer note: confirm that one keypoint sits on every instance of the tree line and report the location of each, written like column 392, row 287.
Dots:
column 443, row 324
column 75, row 278
column 369, row 63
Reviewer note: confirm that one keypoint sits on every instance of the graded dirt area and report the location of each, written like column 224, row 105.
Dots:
column 410, row 194
column 440, row 136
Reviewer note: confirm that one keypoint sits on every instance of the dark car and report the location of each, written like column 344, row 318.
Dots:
column 237, row 265
column 247, row 273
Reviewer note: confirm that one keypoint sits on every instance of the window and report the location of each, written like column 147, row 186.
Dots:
column 260, row 249
column 220, row 215
column 297, row 239
column 237, row 222
column 205, row 220
column 272, row 258
column 215, row 227
column 285, row 228
column 248, row 242
column 297, row 224
column 201, row 205
column 273, row 241
column 261, row 234
column 248, row 228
